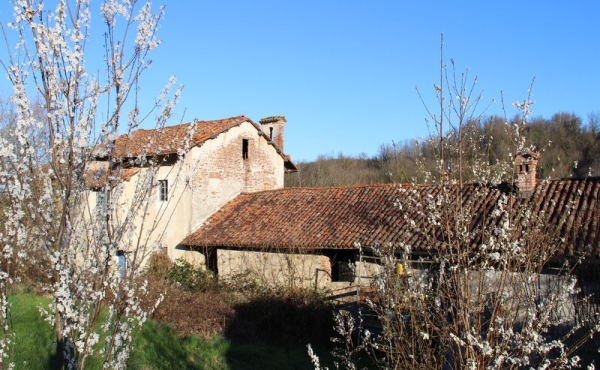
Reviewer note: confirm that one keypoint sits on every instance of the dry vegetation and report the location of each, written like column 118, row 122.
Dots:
column 196, row 303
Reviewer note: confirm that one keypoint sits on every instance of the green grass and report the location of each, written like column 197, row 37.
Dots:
column 34, row 341
column 156, row 346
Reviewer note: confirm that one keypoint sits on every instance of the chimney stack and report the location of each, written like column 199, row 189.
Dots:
column 273, row 128
column 526, row 162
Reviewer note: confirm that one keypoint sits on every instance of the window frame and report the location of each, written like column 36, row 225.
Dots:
column 101, row 201
column 163, row 190
column 122, row 262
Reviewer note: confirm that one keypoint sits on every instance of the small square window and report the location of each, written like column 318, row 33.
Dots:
column 163, row 190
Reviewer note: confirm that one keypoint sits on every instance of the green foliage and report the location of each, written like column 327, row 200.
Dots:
column 242, row 309
column 159, row 347
column 569, row 147
column 35, row 342
column 191, row 278
column 338, row 171
column 181, row 273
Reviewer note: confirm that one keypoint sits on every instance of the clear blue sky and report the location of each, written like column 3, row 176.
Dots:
column 344, row 72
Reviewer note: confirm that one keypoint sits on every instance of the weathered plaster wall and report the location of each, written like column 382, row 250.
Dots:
column 156, row 223
column 275, row 269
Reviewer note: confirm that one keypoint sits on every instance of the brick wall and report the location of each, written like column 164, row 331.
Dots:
column 526, row 169
column 221, row 172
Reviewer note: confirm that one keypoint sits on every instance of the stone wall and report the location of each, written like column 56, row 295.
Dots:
column 275, row 269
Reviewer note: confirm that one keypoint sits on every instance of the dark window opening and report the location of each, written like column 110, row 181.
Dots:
column 343, row 271
column 211, row 260
column 271, row 133
column 342, row 266
column 163, row 190
column 245, row 148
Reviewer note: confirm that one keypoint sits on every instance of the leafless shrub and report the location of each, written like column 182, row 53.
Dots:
column 489, row 283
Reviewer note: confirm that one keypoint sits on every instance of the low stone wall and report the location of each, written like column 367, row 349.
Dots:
column 194, row 257
column 275, row 269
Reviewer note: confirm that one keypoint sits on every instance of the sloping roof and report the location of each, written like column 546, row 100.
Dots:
column 171, row 139
column 339, row 217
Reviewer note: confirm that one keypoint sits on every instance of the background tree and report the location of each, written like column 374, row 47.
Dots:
column 570, row 148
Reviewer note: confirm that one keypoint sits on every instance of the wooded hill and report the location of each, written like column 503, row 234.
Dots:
column 568, row 146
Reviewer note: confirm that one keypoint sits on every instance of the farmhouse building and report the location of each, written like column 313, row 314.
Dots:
column 198, row 168
column 328, row 225
column 223, row 205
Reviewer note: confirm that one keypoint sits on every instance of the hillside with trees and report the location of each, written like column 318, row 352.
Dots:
column 569, row 145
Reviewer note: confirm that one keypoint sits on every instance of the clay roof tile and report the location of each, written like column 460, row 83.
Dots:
column 339, row 217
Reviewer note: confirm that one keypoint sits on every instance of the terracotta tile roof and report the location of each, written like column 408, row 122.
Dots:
column 169, row 139
column 338, row 217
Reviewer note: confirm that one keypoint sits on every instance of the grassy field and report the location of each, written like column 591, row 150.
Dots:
column 157, row 346
column 34, row 340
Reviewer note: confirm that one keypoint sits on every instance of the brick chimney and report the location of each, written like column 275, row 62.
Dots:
column 273, row 128
column 526, row 162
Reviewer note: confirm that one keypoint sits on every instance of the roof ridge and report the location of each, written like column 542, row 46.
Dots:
column 573, row 178
column 167, row 139
column 409, row 184
column 337, row 187
column 241, row 116
column 190, row 122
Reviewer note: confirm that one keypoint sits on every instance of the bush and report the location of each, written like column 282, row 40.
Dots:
column 181, row 273
column 191, row 278
column 241, row 309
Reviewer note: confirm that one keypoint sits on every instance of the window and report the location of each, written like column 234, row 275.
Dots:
column 163, row 190
column 122, row 263
column 271, row 133
column 101, row 201
column 244, row 148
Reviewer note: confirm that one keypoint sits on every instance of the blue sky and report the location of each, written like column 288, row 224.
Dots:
column 344, row 72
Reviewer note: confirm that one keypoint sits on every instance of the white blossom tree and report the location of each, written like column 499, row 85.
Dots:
column 45, row 183
column 482, row 280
